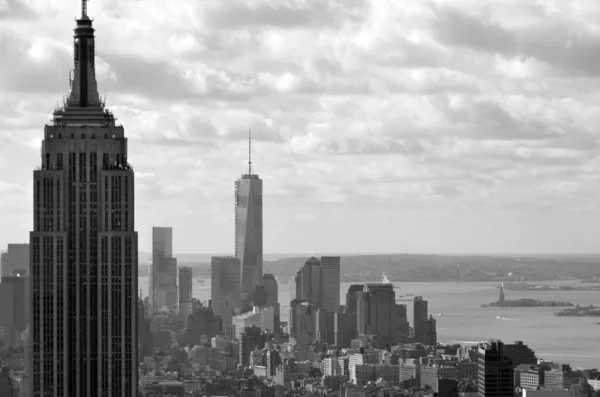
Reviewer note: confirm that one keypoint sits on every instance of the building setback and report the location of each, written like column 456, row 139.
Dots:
column 84, row 246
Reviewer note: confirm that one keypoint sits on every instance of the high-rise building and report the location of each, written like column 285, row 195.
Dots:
column 84, row 247
column 185, row 291
column 225, row 288
column 15, row 260
column 249, row 231
column 520, row 353
column 402, row 325
column 20, row 297
column 420, row 319
column 270, row 284
column 330, row 283
column 376, row 313
column 144, row 333
column 495, row 371
column 431, row 335
column 251, row 339
column 318, row 281
column 162, row 283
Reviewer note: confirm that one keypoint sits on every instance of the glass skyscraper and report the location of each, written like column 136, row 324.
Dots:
column 84, row 246
column 249, row 233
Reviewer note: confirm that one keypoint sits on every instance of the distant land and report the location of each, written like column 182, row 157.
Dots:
column 420, row 267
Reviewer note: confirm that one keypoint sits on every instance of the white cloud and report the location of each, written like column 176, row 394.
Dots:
column 382, row 112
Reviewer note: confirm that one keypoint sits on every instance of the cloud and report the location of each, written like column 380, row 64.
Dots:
column 375, row 120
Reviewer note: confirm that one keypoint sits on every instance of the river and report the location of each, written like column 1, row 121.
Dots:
column 571, row 340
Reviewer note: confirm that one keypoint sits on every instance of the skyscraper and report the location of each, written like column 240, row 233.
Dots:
column 377, row 311
column 249, row 230
column 185, row 291
column 270, row 284
column 84, row 246
column 163, row 281
column 330, row 283
column 15, row 260
column 225, row 288
column 495, row 371
column 318, row 282
column 420, row 319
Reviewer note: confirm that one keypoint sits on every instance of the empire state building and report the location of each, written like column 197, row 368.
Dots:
column 84, row 246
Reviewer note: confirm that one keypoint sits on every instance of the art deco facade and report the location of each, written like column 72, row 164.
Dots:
column 249, row 232
column 84, row 246
column 162, row 283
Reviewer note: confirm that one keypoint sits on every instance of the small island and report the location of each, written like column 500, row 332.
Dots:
column 525, row 302
column 580, row 311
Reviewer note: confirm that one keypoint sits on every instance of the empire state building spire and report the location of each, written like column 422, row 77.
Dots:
column 84, row 89
column 83, row 106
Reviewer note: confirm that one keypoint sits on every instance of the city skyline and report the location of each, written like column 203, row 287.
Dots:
column 502, row 135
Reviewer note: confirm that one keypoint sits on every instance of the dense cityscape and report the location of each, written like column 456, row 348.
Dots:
column 74, row 320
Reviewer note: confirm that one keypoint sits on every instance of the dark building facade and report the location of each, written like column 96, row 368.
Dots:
column 84, row 264
column 252, row 338
column 495, row 372
column 520, row 353
column 420, row 316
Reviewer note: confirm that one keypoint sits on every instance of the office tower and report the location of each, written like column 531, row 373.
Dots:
column 270, row 284
column 325, row 326
column 225, row 288
column 402, row 325
column 144, row 333
column 260, row 296
column 163, row 283
column 203, row 322
column 261, row 317
column 420, row 319
column 296, row 287
column 15, row 260
column 249, row 230
column 310, row 282
column 84, row 247
column 318, row 281
column 351, row 298
column 185, row 291
column 330, row 283
column 495, row 376
column 377, row 311
column 20, row 295
column 252, row 338
column 520, row 353
column 344, row 328
column 431, row 335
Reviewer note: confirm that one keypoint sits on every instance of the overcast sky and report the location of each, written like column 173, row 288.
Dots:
column 379, row 126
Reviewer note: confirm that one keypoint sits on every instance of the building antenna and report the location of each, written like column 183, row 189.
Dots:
column 249, row 152
column 84, row 8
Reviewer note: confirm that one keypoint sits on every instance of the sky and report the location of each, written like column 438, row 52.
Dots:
column 461, row 126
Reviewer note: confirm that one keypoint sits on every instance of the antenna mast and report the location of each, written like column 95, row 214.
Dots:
column 249, row 152
column 84, row 8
